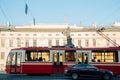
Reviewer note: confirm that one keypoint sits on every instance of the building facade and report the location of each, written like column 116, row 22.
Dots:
column 47, row 35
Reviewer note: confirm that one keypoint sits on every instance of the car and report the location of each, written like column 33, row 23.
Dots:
column 87, row 70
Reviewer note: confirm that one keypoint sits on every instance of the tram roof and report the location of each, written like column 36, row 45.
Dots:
column 66, row 48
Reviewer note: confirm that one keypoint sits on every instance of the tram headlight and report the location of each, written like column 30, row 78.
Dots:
column 65, row 70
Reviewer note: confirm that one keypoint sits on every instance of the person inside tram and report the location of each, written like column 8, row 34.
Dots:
column 94, row 59
column 99, row 60
column 29, row 59
column 86, row 60
column 40, row 59
column 34, row 58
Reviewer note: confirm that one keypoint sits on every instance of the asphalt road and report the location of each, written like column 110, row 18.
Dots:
column 4, row 76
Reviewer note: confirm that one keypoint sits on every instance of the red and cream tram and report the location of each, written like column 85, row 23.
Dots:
column 43, row 60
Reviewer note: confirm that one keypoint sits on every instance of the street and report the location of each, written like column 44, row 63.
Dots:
column 4, row 76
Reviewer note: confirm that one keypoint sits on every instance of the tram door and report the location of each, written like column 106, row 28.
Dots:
column 83, row 56
column 15, row 62
column 57, row 59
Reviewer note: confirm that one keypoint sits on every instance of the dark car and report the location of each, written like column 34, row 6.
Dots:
column 87, row 70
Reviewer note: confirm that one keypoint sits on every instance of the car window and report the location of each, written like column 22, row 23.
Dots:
column 79, row 66
column 90, row 66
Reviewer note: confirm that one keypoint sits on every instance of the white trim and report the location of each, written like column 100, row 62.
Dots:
column 36, row 63
column 118, row 56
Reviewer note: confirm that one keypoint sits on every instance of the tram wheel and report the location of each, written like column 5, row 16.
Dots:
column 106, row 77
column 74, row 76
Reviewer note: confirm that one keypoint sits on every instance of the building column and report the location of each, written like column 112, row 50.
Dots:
column 61, row 42
column 90, row 42
column 75, row 42
column 53, row 42
column 30, row 42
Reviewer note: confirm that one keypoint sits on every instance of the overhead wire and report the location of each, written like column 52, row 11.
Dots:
column 4, row 14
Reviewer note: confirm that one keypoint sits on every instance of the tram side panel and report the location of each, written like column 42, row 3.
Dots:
column 36, row 68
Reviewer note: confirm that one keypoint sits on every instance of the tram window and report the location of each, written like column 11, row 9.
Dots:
column 79, row 58
column 8, row 58
column 70, row 56
column 45, row 56
column 104, row 57
column 38, row 56
column 13, row 59
column 61, row 58
column 34, row 56
column 18, row 59
column 82, row 57
column 55, row 57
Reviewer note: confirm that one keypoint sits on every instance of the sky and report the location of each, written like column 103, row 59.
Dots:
column 80, row 12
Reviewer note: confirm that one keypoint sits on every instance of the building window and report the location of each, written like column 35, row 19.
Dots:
column 87, row 42
column 27, row 34
column 49, row 43
column 57, row 34
column 79, row 43
column 3, row 34
column 93, row 34
column 34, row 42
column 79, row 34
column 18, row 42
column 3, row 42
column 19, row 34
column 72, row 34
column 94, row 42
column 2, row 56
column 26, row 42
column 114, row 34
column 57, row 42
column 114, row 40
column 107, row 43
column 86, row 34
column 11, row 43
column 11, row 34
column 49, row 34
column 34, row 34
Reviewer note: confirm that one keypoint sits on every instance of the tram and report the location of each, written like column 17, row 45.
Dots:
column 44, row 60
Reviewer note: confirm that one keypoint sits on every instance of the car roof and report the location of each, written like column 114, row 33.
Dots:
column 84, row 64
